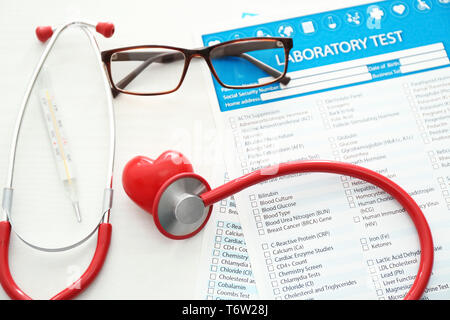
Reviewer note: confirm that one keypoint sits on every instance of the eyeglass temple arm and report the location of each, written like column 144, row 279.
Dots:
column 268, row 69
column 140, row 56
column 150, row 57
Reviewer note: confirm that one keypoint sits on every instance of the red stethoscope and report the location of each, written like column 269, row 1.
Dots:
column 181, row 203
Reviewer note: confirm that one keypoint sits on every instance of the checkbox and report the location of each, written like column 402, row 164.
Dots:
column 435, row 166
column 274, row 283
column 265, row 246
column 445, row 193
column 218, row 238
column 215, row 261
column 377, row 285
column 217, row 245
column 213, row 268
column 223, row 202
column 379, row 292
column 220, row 224
column 259, row 225
column 350, row 199
column 216, row 252
column 363, row 241
column 348, row 192
column 352, row 205
column 255, row 211
column 211, row 291
column 269, row 261
column 365, row 247
column 374, row 278
column 276, row 291
column 270, row 268
column 244, row 164
column 219, row 231
column 267, row 254
column 370, row 262
column 252, row 197
column 212, row 284
column 257, row 218
column 223, row 209
column 261, row 232
column 356, row 219
column 346, row 185
column 212, row 276
column 254, row 204
column 372, row 270
column 245, row 171
column 272, row 275
column 344, row 178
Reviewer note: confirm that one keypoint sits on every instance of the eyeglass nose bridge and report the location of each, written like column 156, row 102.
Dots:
column 200, row 53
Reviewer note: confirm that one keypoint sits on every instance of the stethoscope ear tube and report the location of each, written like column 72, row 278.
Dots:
column 104, row 228
column 13, row 290
column 341, row 168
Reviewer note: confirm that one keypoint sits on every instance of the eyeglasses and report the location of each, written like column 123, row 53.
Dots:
column 237, row 64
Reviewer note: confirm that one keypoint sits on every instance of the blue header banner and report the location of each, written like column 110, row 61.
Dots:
column 345, row 47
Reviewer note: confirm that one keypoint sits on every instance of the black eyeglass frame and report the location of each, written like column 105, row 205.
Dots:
column 205, row 54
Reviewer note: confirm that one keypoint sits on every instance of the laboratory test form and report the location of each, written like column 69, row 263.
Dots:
column 370, row 85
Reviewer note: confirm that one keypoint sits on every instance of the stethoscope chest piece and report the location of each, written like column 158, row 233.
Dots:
column 179, row 212
column 169, row 190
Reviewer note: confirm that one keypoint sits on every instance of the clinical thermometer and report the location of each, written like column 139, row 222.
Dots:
column 58, row 139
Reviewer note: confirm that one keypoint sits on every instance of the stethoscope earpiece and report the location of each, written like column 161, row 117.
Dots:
column 105, row 28
column 43, row 33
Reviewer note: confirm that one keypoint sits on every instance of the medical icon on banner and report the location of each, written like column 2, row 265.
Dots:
column 285, row 30
column 374, row 16
column 399, row 9
column 354, row 18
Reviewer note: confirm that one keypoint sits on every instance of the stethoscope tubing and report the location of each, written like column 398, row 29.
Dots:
column 341, row 168
column 13, row 290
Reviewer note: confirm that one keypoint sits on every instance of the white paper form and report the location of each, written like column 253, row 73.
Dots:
column 226, row 272
column 383, row 106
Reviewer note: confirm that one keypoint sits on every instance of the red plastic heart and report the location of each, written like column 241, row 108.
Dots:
column 142, row 177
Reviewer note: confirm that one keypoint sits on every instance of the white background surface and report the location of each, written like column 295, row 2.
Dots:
column 142, row 264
